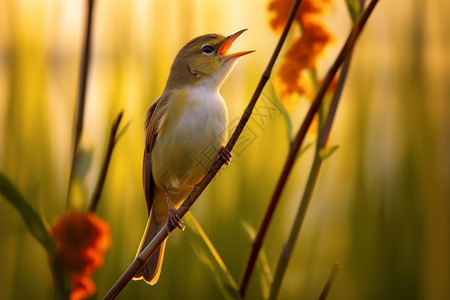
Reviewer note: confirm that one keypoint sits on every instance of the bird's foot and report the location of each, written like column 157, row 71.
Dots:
column 225, row 155
column 174, row 221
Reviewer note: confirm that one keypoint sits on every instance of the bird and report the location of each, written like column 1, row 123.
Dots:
column 185, row 132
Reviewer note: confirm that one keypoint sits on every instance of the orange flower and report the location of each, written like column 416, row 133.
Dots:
column 79, row 231
column 306, row 49
column 81, row 287
column 280, row 10
column 292, row 81
column 313, row 6
column 81, row 240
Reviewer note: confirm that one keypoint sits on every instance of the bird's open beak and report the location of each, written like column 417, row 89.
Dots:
column 223, row 49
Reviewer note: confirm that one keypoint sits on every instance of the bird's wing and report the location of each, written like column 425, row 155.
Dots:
column 153, row 118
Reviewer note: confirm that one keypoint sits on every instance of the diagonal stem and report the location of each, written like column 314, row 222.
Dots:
column 296, row 144
column 326, row 288
column 104, row 170
column 314, row 172
column 286, row 253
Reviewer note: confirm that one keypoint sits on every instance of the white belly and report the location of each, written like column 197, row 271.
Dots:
column 190, row 137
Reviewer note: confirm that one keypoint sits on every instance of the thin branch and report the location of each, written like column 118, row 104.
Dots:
column 323, row 137
column 314, row 173
column 326, row 288
column 338, row 92
column 84, row 72
column 142, row 258
column 104, row 170
column 286, row 253
column 296, row 144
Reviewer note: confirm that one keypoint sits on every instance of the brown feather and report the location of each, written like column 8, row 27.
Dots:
column 153, row 117
column 152, row 269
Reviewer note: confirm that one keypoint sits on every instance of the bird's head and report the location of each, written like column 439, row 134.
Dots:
column 204, row 60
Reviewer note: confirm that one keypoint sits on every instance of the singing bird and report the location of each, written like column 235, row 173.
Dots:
column 185, row 132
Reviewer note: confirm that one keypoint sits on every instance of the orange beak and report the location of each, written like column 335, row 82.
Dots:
column 227, row 44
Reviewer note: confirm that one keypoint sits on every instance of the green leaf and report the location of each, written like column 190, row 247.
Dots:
column 208, row 254
column 33, row 221
column 324, row 153
column 271, row 95
column 305, row 148
column 354, row 9
column 262, row 270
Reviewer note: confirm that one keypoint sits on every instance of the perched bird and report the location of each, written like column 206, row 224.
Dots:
column 185, row 132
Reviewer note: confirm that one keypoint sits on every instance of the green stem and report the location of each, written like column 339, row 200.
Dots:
column 326, row 288
column 297, row 142
column 314, row 172
column 61, row 281
column 298, row 222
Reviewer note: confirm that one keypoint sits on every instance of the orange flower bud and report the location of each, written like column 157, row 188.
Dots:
column 305, row 50
column 81, row 287
column 81, row 240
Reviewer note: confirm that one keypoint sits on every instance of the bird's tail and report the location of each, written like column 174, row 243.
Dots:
column 152, row 269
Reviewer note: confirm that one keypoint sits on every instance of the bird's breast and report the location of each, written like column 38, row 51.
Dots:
column 191, row 133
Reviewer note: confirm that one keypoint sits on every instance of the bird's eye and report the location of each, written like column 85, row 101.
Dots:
column 207, row 49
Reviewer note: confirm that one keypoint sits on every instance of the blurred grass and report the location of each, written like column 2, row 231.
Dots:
column 381, row 205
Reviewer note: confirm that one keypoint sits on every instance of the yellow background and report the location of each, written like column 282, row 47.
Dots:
column 381, row 204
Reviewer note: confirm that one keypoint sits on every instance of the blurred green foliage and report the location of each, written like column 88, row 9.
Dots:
column 32, row 220
column 381, row 204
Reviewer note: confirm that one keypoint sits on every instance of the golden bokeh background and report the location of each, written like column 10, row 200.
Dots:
column 382, row 202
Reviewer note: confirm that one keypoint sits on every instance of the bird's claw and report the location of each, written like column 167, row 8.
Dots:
column 225, row 155
column 174, row 221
